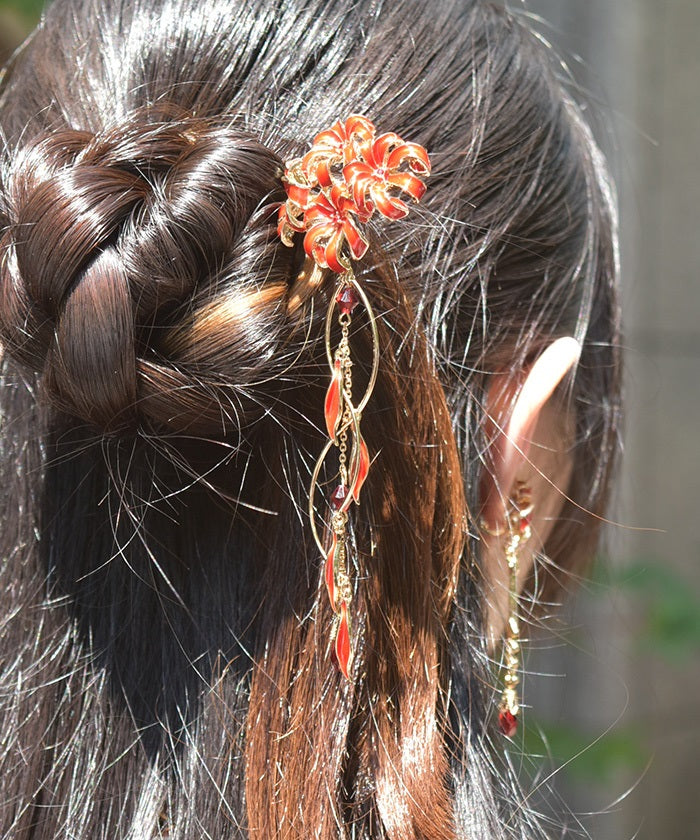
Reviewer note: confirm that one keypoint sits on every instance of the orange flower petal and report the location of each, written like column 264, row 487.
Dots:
column 333, row 255
column 288, row 224
column 415, row 155
column 408, row 183
column 323, row 173
column 360, row 126
column 392, row 208
column 359, row 177
column 332, row 404
column 362, row 471
column 382, row 147
column 314, row 242
column 357, row 243
column 283, row 225
column 297, row 193
column 331, row 138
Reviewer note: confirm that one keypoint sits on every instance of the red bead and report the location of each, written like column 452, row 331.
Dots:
column 338, row 496
column 524, row 524
column 347, row 300
column 508, row 723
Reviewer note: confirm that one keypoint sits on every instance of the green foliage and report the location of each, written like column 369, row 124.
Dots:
column 666, row 610
column 585, row 758
column 668, row 607
column 28, row 10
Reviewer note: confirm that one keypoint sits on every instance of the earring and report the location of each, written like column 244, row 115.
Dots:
column 518, row 529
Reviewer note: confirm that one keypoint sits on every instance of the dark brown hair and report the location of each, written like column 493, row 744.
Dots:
column 164, row 653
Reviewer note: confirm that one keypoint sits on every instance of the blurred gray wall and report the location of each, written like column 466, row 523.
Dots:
column 637, row 63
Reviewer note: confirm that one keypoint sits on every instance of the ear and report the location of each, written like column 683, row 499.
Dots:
column 529, row 437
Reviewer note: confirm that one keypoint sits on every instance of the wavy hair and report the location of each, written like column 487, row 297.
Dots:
column 164, row 667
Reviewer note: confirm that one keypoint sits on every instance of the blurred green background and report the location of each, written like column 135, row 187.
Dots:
column 16, row 19
column 613, row 685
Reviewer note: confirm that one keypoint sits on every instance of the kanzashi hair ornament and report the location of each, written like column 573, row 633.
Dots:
column 517, row 530
column 349, row 174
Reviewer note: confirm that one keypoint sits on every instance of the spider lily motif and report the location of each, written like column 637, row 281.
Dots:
column 340, row 181
column 372, row 179
column 330, row 227
column 334, row 188
column 340, row 144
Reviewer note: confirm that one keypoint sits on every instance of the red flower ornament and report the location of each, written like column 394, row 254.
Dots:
column 387, row 163
column 332, row 236
column 337, row 145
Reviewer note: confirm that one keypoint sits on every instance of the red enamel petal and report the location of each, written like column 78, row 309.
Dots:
column 362, row 470
column 314, row 242
column 332, row 137
column 298, row 194
column 356, row 169
column 365, row 211
column 287, row 225
column 332, row 405
column 283, row 224
column 360, row 134
column 323, row 172
column 382, row 147
column 319, row 207
column 316, row 166
column 330, row 572
column 342, row 641
column 392, row 208
column 360, row 126
column 295, row 217
column 335, row 259
column 415, row 155
column 408, row 183
column 309, row 163
column 365, row 208
column 337, row 199
column 359, row 177
column 317, row 216
column 357, row 243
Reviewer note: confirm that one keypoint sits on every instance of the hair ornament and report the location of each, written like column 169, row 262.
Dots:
column 518, row 530
column 347, row 176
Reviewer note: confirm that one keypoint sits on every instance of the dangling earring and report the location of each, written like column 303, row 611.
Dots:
column 518, row 529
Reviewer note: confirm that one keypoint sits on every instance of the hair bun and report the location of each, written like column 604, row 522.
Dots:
column 117, row 245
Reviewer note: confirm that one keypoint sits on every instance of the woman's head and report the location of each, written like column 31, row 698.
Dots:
column 174, row 349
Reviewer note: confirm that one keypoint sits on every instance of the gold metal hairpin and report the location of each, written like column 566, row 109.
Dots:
column 348, row 174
